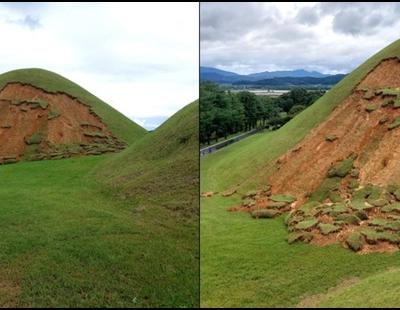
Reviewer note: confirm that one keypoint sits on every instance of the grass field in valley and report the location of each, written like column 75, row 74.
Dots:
column 67, row 241
column 248, row 263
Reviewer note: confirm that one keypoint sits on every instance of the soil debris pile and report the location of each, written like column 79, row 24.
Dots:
column 342, row 178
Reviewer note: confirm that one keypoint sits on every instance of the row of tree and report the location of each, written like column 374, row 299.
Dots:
column 223, row 113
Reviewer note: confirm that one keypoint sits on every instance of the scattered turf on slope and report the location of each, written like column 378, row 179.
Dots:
column 162, row 167
column 380, row 290
column 119, row 124
column 248, row 263
column 243, row 162
column 67, row 242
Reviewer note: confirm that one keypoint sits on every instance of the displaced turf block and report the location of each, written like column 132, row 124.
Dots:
column 283, row 198
column 327, row 229
column 53, row 113
column 394, row 124
column 362, row 215
column 36, row 138
column 391, row 208
column 277, row 205
column 341, row 169
column 378, row 202
column 353, row 184
column 331, row 138
column 306, row 224
column 387, row 102
column 299, row 236
column 354, row 241
column 264, row 213
column 371, row 107
column 323, row 191
column 349, row 219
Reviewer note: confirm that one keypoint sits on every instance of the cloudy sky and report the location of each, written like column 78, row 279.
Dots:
column 327, row 37
column 140, row 58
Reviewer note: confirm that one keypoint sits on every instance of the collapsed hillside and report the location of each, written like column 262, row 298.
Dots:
column 340, row 181
column 36, row 124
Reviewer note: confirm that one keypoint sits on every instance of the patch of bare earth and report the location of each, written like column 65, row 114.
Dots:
column 359, row 128
column 60, row 120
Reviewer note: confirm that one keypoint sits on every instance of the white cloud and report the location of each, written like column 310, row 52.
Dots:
column 328, row 37
column 141, row 58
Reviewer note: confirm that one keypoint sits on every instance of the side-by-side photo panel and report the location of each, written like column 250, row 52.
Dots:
column 299, row 168
column 99, row 160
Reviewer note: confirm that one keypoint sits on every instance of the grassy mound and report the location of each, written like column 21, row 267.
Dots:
column 119, row 124
column 242, row 162
column 162, row 167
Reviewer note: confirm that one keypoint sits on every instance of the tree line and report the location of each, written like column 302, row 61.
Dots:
column 223, row 113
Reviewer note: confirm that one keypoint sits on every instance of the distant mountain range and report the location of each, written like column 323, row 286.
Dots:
column 266, row 78
column 294, row 81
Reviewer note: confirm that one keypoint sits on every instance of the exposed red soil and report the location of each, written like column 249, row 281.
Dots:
column 19, row 121
column 359, row 127
column 358, row 131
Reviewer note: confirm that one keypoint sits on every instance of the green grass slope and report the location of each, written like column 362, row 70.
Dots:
column 162, row 167
column 385, row 286
column 242, row 162
column 248, row 263
column 119, row 124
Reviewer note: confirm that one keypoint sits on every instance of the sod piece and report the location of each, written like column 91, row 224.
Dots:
column 306, row 224
column 371, row 107
column 36, row 138
column 283, row 198
column 394, row 124
column 264, row 213
column 341, row 169
column 354, row 241
column 327, row 229
column 331, row 138
column 299, row 236
column 349, row 219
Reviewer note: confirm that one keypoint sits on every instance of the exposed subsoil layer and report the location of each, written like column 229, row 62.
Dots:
column 341, row 182
column 35, row 124
column 303, row 169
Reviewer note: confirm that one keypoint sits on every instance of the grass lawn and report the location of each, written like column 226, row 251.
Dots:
column 248, row 263
column 386, row 285
column 66, row 241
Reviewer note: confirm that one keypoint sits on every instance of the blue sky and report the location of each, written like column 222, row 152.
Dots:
column 141, row 58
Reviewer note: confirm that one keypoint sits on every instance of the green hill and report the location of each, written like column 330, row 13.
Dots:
column 119, row 124
column 249, row 263
column 163, row 166
column 243, row 162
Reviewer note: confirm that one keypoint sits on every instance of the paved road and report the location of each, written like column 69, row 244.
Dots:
column 212, row 148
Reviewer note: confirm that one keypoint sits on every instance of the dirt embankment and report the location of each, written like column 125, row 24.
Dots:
column 356, row 131
column 35, row 124
column 341, row 183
